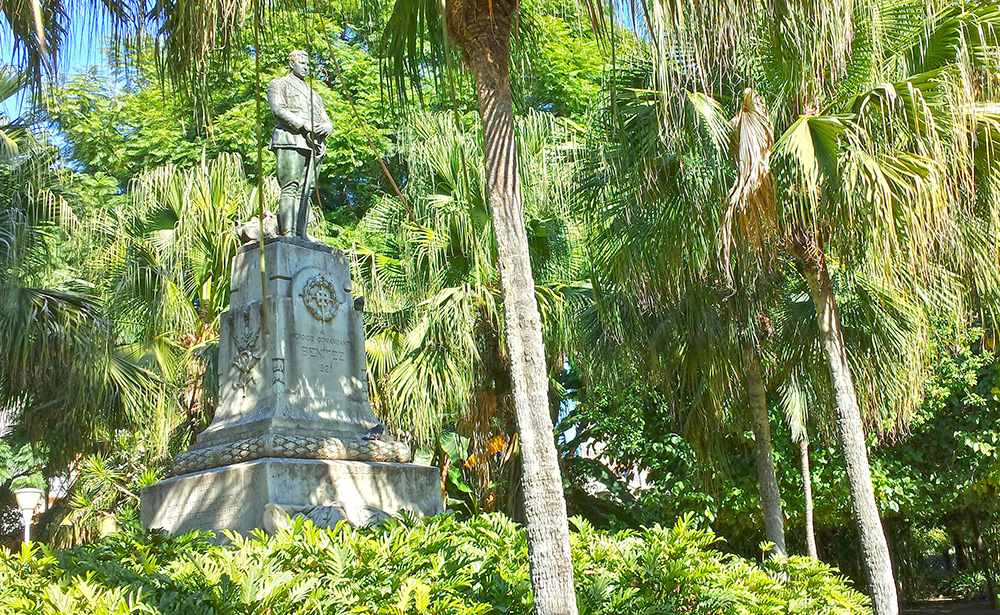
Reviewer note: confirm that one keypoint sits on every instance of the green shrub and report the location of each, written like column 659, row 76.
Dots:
column 967, row 584
column 438, row 566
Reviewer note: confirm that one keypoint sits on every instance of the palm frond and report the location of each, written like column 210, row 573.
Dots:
column 434, row 318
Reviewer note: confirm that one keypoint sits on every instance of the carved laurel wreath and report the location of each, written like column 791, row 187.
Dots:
column 320, row 298
column 248, row 353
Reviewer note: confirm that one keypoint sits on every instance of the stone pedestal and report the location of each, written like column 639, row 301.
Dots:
column 293, row 407
column 249, row 495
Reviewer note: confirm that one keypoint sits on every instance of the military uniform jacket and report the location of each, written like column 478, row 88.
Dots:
column 289, row 99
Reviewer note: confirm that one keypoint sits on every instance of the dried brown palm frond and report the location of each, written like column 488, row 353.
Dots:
column 751, row 202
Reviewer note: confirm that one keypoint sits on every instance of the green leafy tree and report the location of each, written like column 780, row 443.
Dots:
column 126, row 131
column 166, row 265
column 663, row 299
column 481, row 33
column 428, row 269
column 868, row 167
column 63, row 374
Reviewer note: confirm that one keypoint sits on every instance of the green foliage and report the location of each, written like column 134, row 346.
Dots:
column 119, row 133
column 560, row 68
column 34, row 480
column 63, row 379
column 19, row 464
column 949, row 463
column 673, row 570
column 436, row 566
column 14, row 133
column 648, row 453
column 466, row 494
column 427, row 268
column 123, row 131
column 965, row 584
column 105, row 491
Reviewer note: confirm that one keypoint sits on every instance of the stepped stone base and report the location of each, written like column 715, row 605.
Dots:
column 263, row 492
column 287, row 437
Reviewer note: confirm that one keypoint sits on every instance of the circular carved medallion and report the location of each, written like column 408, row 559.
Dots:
column 320, row 298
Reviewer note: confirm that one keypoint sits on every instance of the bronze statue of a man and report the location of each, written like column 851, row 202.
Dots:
column 298, row 141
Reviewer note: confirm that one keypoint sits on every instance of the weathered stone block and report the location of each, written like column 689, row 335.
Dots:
column 236, row 497
column 303, row 371
column 293, row 407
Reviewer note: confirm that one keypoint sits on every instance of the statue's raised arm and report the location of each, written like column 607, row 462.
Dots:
column 298, row 142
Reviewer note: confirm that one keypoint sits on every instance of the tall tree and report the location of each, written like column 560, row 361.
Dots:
column 63, row 374
column 887, row 333
column 872, row 163
column 481, row 31
column 427, row 267
column 795, row 403
column 662, row 292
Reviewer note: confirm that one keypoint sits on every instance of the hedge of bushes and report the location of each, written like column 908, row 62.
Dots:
column 438, row 565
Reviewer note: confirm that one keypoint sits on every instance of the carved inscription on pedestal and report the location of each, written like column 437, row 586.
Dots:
column 327, row 354
column 202, row 505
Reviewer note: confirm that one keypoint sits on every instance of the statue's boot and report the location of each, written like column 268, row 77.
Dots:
column 287, row 204
column 292, row 174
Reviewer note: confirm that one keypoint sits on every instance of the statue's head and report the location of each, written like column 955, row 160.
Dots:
column 298, row 63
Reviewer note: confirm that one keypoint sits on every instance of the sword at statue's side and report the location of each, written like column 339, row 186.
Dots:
column 317, row 150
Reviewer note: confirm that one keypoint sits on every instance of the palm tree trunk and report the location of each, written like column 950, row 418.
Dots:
column 770, row 498
column 808, row 493
column 481, row 29
column 874, row 548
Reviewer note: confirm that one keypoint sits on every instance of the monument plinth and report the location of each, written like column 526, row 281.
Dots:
column 293, row 407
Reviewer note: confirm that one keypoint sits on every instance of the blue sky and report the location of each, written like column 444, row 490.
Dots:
column 81, row 48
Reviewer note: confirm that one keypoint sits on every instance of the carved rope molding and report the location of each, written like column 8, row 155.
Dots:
column 289, row 447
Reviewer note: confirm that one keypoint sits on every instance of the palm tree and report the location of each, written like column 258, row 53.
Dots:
column 481, row 31
column 63, row 374
column 164, row 257
column 796, row 405
column 887, row 333
column 435, row 323
column 875, row 155
column 39, row 30
column 14, row 133
column 661, row 292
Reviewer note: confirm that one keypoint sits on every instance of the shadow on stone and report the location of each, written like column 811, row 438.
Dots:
column 287, row 436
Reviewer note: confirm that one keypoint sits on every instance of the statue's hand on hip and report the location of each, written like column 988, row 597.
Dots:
column 317, row 143
column 321, row 131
